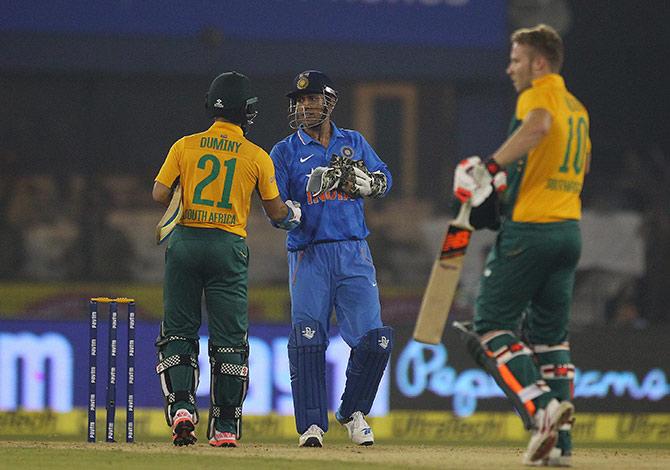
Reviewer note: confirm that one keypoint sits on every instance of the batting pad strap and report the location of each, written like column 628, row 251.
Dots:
column 225, row 368
column 491, row 335
column 182, row 395
column 529, row 393
column 225, row 412
column 227, row 350
column 163, row 340
column 558, row 371
column 508, row 352
column 176, row 360
column 545, row 348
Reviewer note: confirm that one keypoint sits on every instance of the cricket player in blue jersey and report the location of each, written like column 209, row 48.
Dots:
column 330, row 171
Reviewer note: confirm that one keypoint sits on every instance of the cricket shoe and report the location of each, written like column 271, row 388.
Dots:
column 556, row 458
column 359, row 431
column 223, row 439
column 545, row 434
column 183, row 429
column 313, row 437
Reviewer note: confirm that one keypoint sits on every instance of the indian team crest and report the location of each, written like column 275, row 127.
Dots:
column 347, row 152
column 303, row 82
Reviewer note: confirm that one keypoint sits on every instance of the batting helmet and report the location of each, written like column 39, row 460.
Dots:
column 310, row 82
column 230, row 97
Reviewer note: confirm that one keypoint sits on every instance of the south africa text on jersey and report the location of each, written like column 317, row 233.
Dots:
column 195, row 215
column 220, row 144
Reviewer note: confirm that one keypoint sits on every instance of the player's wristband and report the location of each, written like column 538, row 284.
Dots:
column 287, row 223
column 492, row 166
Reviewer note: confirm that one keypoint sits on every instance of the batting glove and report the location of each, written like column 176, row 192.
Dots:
column 292, row 219
column 498, row 174
column 472, row 182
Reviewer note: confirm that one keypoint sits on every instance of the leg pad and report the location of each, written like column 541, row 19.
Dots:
column 179, row 373
column 307, row 345
column 228, row 387
column 365, row 369
column 487, row 361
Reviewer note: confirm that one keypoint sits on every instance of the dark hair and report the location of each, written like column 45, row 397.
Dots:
column 545, row 40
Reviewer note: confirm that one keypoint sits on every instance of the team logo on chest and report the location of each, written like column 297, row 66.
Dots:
column 347, row 151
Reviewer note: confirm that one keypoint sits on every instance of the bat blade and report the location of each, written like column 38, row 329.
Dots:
column 444, row 277
column 171, row 217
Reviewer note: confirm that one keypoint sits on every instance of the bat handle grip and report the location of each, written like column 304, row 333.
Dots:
column 463, row 218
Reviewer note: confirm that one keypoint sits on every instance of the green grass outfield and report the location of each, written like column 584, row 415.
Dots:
column 286, row 455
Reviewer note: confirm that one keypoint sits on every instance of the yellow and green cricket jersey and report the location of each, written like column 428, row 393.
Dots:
column 218, row 170
column 545, row 186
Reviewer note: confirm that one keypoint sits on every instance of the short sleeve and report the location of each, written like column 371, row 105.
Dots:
column 170, row 169
column 280, row 172
column 267, row 183
column 531, row 99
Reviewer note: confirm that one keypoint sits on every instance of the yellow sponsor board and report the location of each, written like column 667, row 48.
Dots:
column 425, row 426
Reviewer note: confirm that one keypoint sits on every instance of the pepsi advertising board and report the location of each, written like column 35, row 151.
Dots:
column 44, row 365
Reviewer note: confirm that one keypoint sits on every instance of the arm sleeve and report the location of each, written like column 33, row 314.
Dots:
column 532, row 99
column 170, row 169
column 374, row 163
column 281, row 173
column 267, row 184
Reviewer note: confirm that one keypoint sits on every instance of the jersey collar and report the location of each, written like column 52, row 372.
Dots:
column 227, row 126
column 306, row 139
column 552, row 79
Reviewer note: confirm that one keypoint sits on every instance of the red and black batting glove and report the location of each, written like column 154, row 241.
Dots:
column 498, row 174
column 464, row 181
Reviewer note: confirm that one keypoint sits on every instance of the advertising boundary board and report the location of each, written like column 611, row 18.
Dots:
column 623, row 429
column 43, row 365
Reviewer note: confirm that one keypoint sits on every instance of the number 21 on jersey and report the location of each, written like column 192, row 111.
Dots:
column 215, row 169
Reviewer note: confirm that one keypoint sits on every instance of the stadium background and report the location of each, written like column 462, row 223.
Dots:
column 93, row 94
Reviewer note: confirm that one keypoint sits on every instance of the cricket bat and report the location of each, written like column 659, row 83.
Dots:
column 443, row 280
column 171, row 217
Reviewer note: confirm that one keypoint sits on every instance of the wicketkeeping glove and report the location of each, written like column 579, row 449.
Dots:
column 363, row 182
column 357, row 181
column 323, row 179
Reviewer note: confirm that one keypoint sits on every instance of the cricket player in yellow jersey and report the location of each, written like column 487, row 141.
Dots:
column 528, row 280
column 218, row 170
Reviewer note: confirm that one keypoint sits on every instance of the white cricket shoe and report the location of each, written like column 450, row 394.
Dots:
column 313, row 437
column 545, row 434
column 359, row 431
column 554, row 459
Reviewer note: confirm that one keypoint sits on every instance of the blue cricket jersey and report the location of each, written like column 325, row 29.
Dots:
column 332, row 216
